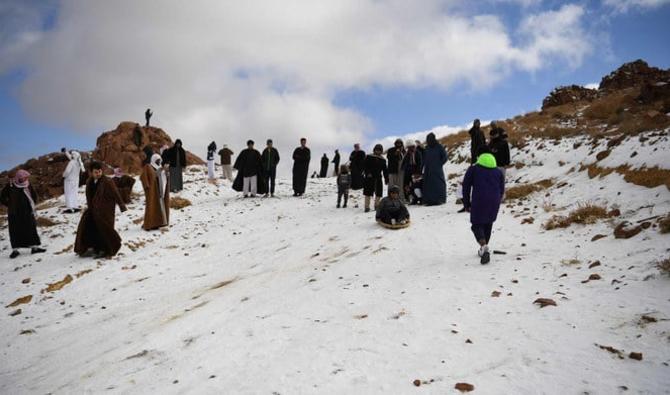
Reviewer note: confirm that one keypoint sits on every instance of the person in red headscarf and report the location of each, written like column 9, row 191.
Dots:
column 20, row 198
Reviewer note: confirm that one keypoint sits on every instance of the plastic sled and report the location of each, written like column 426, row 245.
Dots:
column 396, row 226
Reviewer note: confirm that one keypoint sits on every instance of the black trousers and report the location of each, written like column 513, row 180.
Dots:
column 340, row 193
column 482, row 231
column 270, row 176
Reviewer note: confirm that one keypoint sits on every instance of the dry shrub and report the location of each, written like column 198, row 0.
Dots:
column 177, row 203
column 646, row 177
column 638, row 123
column 664, row 224
column 664, row 266
column 44, row 222
column 603, row 108
column 521, row 191
column 584, row 214
column 452, row 176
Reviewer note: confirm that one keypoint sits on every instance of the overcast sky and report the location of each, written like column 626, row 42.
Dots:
column 336, row 72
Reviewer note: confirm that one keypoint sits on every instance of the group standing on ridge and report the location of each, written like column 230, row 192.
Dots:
column 412, row 173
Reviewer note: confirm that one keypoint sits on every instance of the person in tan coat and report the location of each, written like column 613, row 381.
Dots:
column 96, row 226
column 155, row 182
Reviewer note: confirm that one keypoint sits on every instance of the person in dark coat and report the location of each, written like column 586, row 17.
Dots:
column 270, row 160
column 434, row 184
column 412, row 166
column 324, row 166
column 483, row 189
column 249, row 179
column 226, row 163
column 301, row 158
column 148, row 153
column 124, row 183
column 391, row 210
column 375, row 171
column 176, row 158
column 336, row 163
column 356, row 165
column 343, row 185
column 20, row 198
column 96, row 226
column 499, row 147
column 395, row 155
column 477, row 141
column 147, row 115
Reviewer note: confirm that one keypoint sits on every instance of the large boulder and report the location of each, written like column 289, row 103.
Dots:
column 568, row 94
column 633, row 74
column 117, row 147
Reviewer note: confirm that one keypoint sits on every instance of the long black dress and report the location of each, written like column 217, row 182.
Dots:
column 301, row 157
column 22, row 224
column 324, row 167
column 357, row 165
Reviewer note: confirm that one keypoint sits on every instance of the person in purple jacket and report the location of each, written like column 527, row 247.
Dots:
column 483, row 188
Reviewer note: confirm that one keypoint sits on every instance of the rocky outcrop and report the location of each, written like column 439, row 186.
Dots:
column 118, row 147
column 633, row 74
column 568, row 94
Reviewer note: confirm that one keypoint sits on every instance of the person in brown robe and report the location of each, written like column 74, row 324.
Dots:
column 124, row 183
column 155, row 182
column 96, row 226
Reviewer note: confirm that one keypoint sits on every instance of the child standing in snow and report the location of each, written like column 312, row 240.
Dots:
column 483, row 188
column 343, row 185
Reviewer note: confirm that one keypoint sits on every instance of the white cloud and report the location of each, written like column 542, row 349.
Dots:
column 232, row 70
column 623, row 6
column 592, row 85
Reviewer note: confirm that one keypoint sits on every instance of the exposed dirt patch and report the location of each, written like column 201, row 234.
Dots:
column 58, row 284
column 20, row 301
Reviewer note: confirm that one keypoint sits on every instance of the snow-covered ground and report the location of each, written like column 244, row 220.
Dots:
column 291, row 295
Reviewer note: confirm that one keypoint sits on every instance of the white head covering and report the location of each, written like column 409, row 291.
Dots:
column 76, row 156
column 156, row 161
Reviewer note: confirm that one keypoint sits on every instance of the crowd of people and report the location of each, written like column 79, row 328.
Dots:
column 412, row 172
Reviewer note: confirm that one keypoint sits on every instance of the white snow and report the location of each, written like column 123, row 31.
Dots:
column 291, row 295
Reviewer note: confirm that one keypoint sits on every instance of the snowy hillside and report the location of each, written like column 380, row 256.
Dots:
column 291, row 295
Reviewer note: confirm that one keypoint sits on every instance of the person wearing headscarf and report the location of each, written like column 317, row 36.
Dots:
column 394, row 156
column 155, row 182
column 250, row 179
column 301, row 157
column 96, row 227
column 375, row 171
column 176, row 158
column 324, row 166
column 124, row 183
column 477, row 141
column 483, row 189
column 226, row 162
column 356, row 165
column 211, row 152
column 20, row 198
column 434, row 183
column 71, row 182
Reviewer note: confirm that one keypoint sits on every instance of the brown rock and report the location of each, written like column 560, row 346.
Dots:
column 598, row 237
column 464, row 387
column 25, row 280
column 568, row 94
column 594, row 264
column 602, row 155
column 417, row 383
column 15, row 312
column 544, row 302
column 626, row 230
column 614, row 213
column 495, row 294
column 635, row 355
column 633, row 74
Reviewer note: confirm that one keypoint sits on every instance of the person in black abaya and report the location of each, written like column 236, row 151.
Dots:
column 20, row 198
column 356, row 167
column 301, row 158
column 324, row 166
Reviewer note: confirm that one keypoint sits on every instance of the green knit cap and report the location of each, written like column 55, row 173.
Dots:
column 487, row 160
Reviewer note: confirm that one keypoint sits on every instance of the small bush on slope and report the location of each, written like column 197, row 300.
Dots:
column 521, row 191
column 584, row 214
column 177, row 203
column 664, row 224
column 664, row 266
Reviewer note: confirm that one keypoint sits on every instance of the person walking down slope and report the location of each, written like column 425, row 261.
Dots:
column 343, row 185
column 483, row 188
column 499, row 147
column 434, row 183
column 336, row 163
column 375, row 171
column 270, row 160
column 226, row 163
column 211, row 152
column 176, row 158
column 249, row 179
column 477, row 141
column 20, row 198
column 155, row 182
column 324, row 166
column 356, row 167
column 301, row 158
column 96, row 226
column 71, row 182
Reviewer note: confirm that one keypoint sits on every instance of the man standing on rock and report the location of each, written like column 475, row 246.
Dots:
column 477, row 141
column 336, row 163
column 356, row 165
column 20, row 198
column 176, row 158
column 155, row 182
column 225, row 153
column 96, row 226
column 71, row 182
column 249, row 172
column 270, row 159
column 301, row 158
column 147, row 115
